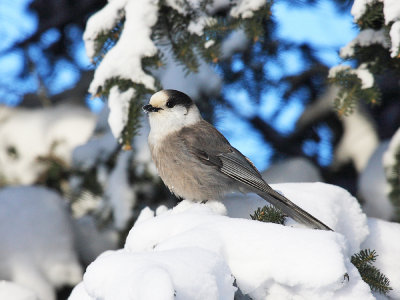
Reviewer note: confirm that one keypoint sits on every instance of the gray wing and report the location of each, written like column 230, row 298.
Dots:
column 211, row 148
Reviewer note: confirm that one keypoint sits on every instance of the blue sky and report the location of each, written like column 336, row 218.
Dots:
column 325, row 28
column 321, row 25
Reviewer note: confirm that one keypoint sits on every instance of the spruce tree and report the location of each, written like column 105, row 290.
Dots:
column 375, row 52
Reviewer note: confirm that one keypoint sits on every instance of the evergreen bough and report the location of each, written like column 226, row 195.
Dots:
column 351, row 91
column 269, row 214
column 370, row 274
column 375, row 56
column 171, row 30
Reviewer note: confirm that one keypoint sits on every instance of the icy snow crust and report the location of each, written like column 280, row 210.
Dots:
column 196, row 251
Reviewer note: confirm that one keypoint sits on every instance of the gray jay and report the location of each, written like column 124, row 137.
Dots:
column 196, row 161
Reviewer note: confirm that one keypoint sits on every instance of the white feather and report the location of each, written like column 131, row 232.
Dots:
column 169, row 120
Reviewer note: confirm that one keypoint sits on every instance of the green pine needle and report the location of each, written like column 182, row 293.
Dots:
column 370, row 274
column 365, row 256
column 269, row 214
column 186, row 48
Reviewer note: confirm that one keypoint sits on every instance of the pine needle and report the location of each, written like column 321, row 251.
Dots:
column 370, row 274
column 269, row 214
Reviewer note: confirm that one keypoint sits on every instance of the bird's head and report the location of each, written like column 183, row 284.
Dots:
column 171, row 110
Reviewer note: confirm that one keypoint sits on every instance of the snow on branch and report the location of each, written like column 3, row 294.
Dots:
column 376, row 50
column 365, row 38
column 127, row 37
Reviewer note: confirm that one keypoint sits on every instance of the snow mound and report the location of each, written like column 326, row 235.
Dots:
column 331, row 204
column 196, row 251
column 37, row 250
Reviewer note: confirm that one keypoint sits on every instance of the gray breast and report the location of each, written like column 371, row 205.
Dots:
column 184, row 174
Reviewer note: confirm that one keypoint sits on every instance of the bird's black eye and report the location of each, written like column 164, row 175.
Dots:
column 170, row 104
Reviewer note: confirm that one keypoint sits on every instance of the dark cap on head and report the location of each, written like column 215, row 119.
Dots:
column 178, row 98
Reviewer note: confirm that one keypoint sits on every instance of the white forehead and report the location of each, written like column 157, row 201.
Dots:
column 159, row 99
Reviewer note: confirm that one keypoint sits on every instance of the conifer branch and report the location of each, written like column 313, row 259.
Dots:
column 370, row 274
column 269, row 214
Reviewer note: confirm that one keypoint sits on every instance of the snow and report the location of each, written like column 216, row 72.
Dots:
column 160, row 275
column 366, row 37
column 119, row 192
column 13, row 291
column 218, row 5
column 367, row 79
column 118, row 103
column 91, row 239
column 196, row 251
column 359, row 8
column 235, row 42
column 245, row 8
column 395, row 38
column 384, row 238
column 37, row 243
column 124, row 59
column 391, row 11
column 102, row 21
column 142, row 151
column 373, row 188
column 389, row 157
column 337, row 69
column 323, row 104
column 362, row 72
column 359, row 139
column 35, row 133
column 96, row 150
column 197, row 26
column 209, row 43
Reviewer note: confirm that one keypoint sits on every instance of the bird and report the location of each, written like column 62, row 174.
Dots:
column 196, row 162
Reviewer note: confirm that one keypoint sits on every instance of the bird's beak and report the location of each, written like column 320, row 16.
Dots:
column 150, row 108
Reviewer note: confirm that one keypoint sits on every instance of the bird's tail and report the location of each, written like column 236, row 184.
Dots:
column 292, row 210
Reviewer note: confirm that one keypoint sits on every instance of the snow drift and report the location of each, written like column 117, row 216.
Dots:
column 203, row 251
